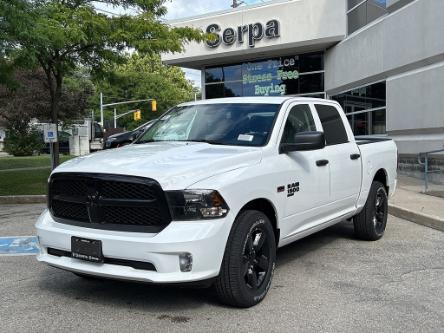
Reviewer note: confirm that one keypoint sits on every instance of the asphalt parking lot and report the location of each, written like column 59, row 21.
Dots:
column 327, row 282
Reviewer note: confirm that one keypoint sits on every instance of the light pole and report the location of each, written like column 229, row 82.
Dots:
column 101, row 109
column 102, row 106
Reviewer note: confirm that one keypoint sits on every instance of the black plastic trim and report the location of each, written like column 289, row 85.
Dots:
column 365, row 140
column 111, row 227
column 142, row 265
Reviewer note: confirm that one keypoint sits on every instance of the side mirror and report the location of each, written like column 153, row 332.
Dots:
column 304, row 141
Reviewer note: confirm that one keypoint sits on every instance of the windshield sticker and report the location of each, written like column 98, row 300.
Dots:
column 245, row 137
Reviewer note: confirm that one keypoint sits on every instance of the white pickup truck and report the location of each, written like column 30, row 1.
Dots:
column 212, row 189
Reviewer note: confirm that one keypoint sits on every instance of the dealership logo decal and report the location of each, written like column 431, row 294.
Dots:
column 250, row 33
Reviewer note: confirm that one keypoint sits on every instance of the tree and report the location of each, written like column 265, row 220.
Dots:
column 143, row 77
column 27, row 99
column 59, row 35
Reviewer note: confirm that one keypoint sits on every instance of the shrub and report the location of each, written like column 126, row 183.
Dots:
column 23, row 144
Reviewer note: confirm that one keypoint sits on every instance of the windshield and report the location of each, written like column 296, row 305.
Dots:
column 225, row 124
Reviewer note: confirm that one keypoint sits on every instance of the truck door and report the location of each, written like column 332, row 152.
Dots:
column 343, row 158
column 306, row 184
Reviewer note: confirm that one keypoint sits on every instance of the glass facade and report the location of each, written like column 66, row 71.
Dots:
column 301, row 74
column 362, row 12
column 365, row 108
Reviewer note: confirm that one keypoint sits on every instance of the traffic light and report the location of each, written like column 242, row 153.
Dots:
column 154, row 105
column 137, row 115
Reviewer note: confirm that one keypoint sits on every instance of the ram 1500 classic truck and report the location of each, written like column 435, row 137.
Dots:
column 212, row 189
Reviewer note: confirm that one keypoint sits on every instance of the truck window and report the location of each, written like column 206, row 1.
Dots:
column 299, row 120
column 333, row 125
column 239, row 124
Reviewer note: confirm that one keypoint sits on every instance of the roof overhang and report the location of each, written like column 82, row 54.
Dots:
column 304, row 26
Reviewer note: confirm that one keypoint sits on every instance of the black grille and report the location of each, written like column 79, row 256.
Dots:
column 112, row 202
column 69, row 210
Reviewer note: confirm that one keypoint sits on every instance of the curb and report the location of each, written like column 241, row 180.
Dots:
column 430, row 221
column 22, row 199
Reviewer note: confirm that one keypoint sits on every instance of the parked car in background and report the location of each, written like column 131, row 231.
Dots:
column 125, row 138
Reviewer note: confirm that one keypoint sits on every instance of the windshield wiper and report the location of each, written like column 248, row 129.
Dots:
column 144, row 141
column 211, row 142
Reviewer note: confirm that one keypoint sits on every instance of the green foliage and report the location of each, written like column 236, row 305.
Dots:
column 23, row 143
column 142, row 77
column 60, row 35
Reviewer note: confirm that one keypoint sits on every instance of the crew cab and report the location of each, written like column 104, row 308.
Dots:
column 212, row 189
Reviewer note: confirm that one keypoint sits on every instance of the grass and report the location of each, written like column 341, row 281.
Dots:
column 29, row 161
column 24, row 182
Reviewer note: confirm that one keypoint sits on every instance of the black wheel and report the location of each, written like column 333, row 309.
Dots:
column 249, row 261
column 370, row 223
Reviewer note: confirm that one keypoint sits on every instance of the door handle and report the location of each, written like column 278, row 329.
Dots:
column 321, row 163
column 355, row 156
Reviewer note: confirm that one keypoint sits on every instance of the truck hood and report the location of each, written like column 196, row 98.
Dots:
column 175, row 165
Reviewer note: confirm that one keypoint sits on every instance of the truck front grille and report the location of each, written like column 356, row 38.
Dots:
column 111, row 202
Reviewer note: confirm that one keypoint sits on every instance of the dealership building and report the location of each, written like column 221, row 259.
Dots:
column 382, row 60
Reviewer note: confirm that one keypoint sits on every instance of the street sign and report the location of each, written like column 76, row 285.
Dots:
column 50, row 133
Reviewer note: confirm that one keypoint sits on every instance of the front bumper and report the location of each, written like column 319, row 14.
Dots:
column 204, row 240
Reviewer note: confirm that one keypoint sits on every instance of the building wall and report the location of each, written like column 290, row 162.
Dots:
column 404, row 48
column 416, row 109
column 305, row 25
column 399, row 48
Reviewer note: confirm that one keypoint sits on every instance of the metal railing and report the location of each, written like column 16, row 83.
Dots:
column 423, row 159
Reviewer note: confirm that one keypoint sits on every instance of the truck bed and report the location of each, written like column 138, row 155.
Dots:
column 364, row 140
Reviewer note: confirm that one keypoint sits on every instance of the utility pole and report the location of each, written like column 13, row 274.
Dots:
column 237, row 3
column 101, row 109
column 102, row 106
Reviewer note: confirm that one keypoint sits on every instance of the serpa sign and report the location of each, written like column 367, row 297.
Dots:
column 253, row 32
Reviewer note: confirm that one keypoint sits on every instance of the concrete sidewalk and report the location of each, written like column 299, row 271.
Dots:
column 411, row 204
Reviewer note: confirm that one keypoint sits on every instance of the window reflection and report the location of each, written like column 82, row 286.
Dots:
column 290, row 75
column 365, row 108
column 362, row 12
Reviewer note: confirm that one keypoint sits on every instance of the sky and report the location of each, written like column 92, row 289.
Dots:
column 185, row 8
column 178, row 9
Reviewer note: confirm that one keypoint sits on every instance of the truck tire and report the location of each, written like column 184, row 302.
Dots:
column 370, row 223
column 249, row 260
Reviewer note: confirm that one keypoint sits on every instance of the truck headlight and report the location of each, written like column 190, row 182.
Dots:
column 196, row 204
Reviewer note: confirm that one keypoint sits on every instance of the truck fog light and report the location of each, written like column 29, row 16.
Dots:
column 185, row 262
